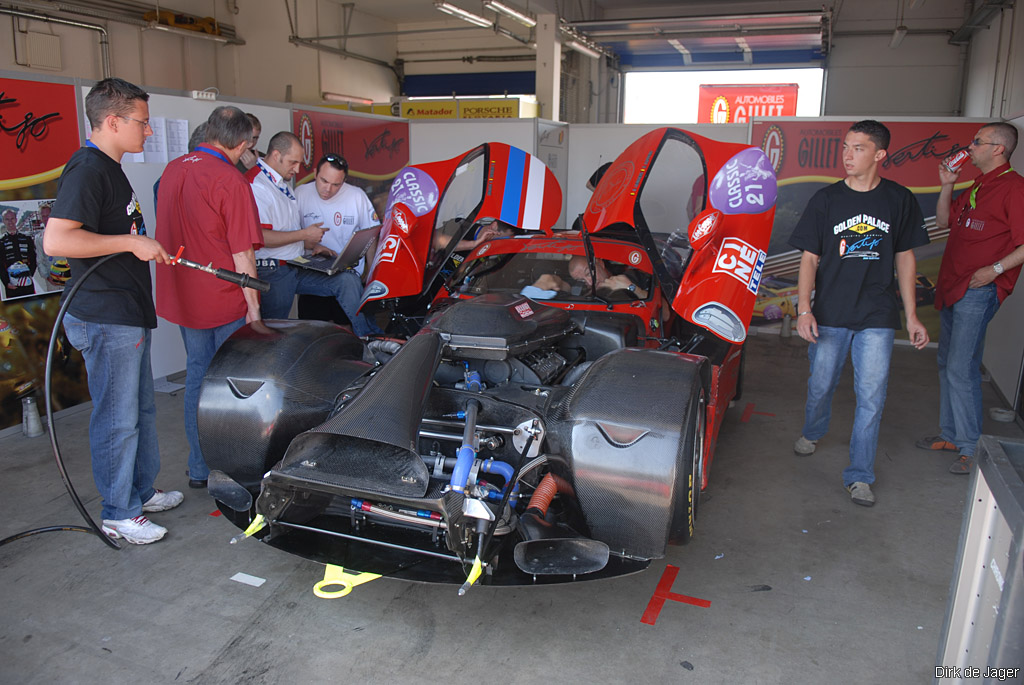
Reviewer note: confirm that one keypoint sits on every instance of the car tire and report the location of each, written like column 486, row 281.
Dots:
column 693, row 446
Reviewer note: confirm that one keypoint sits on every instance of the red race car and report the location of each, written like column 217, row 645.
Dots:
column 549, row 413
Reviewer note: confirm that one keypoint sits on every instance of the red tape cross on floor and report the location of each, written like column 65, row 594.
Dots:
column 749, row 411
column 663, row 592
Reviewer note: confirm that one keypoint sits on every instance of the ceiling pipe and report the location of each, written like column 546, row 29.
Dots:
column 979, row 20
column 103, row 38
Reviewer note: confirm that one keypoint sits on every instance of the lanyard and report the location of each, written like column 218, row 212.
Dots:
column 977, row 187
column 283, row 189
column 215, row 153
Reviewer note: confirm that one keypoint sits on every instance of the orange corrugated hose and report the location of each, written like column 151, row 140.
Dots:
column 545, row 492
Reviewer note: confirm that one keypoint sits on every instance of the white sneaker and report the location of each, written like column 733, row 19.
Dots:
column 137, row 530
column 804, row 447
column 861, row 494
column 162, row 501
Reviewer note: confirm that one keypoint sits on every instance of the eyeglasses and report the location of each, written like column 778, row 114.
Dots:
column 144, row 122
column 336, row 161
column 978, row 142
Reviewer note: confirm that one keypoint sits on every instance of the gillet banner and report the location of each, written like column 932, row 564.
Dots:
column 738, row 104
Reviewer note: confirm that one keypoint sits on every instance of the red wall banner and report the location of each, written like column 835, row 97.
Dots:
column 738, row 104
column 375, row 149
column 38, row 132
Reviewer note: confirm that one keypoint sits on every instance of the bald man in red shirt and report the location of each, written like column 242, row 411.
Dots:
column 979, row 269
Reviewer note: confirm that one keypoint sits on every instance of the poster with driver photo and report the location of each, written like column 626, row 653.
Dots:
column 25, row 268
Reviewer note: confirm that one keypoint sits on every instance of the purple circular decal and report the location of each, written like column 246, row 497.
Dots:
column 745, row 185
column 415, row 189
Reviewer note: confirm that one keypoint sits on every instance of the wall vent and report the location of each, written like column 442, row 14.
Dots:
column 43, row 50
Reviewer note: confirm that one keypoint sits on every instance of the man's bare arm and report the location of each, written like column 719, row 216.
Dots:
column 68, row 239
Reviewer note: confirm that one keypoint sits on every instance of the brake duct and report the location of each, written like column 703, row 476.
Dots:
column 550, row 548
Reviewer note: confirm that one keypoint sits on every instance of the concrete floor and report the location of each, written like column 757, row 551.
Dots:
column 804, row 586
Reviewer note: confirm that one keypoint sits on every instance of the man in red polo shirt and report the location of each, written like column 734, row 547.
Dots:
column 205, row 205
column 980, row 266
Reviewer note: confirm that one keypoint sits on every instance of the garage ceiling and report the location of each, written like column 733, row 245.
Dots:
column 659, row 33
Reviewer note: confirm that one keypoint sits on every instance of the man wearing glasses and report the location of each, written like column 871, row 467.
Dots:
column 980, row 266
column 112, row 317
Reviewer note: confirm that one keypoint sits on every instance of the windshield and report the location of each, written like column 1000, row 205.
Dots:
column 673, row 194
column 553, row 276
column 460, row 200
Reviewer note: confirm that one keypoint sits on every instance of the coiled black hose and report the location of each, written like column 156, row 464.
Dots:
column 54, row 334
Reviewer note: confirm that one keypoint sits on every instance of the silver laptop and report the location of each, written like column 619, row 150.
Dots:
column 354, row 250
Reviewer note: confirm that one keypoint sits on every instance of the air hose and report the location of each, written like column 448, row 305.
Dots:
column 54, row 334
column 241, row 279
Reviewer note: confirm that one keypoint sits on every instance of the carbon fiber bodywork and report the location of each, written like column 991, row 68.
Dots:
column 265, row 386
column 631, row 461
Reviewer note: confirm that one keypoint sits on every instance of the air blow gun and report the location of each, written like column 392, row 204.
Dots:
column 243, row 280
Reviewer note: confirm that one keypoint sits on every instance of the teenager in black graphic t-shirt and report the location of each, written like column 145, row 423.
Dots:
column 112, row 316
column 853, row 234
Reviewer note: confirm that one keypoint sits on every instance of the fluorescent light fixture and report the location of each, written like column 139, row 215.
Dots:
column 190, row 34
column 351, row 99
column 465, row 15
column 897, row 36
column 582, row 48
column 511, row 13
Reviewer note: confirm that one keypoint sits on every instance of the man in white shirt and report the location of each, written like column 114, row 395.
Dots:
column 341, row 207
column 284, row 239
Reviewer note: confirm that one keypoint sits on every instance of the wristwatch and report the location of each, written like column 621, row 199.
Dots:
column 632, row 286
column 998, row 268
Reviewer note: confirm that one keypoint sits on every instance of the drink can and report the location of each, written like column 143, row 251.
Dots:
column 956, row 160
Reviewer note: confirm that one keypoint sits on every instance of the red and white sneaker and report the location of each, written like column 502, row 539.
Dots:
column 162, row 501
column 137, row 530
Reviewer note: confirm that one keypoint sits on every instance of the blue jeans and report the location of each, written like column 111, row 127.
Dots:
column 961, row 344
column 871, row 350
column 288, row 281
column 122, row 429
column 200, row 346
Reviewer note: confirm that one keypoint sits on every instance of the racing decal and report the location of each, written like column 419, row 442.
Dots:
column 484, row 249
column 415, row 189
column 523, row 198
column 389, row 250
column 745, row 185
column 721, row 320
column 703, row 228
column 612, row 184
column 400, row 217
column 861, row 223
column 523, row 310
column 635, row 258
column 742, row 261
column 375, row 290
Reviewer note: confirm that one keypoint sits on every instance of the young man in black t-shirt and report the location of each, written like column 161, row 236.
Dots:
column 853, row 234
column 112, row 316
